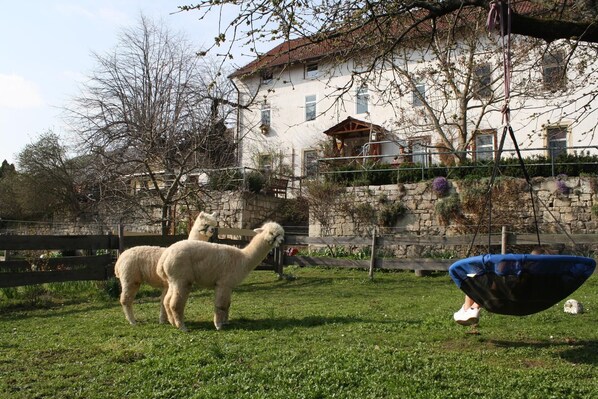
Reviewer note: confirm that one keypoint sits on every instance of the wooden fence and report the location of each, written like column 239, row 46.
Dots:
column 100, row 267
column 36, row 270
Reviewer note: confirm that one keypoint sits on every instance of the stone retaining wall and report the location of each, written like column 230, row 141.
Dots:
column 244, row 210
column 575, row 210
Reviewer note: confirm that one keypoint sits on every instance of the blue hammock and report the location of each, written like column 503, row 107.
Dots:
column 520, row 284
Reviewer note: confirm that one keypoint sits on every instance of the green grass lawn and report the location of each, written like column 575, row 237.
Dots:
column 326, row 334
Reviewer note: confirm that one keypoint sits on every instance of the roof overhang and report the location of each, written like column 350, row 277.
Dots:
column 353, row 128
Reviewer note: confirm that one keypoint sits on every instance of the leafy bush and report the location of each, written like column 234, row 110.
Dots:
column 294, row 211
column 255, row 181
column 364, row 211
column 448, row 208
column 390, row 213
column 225, row 179
column 473, row 196
column 335, row 251
column 356, row 174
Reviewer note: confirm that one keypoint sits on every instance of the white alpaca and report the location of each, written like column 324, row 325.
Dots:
column 204, row 226
column 137, row 265
column 218, row 266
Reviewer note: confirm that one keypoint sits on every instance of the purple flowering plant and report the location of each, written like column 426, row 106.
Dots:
column 441, row 186
column 562, row 187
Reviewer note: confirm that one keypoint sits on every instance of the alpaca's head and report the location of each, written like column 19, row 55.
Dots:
column 272, row 233
column 205, row 224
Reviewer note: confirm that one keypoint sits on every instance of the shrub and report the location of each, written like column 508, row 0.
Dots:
column 390, row 213
column 226, row 179
column 473, row 196
column 448, row 208
column 359, row 174
column 364, row 212
column 255, row 181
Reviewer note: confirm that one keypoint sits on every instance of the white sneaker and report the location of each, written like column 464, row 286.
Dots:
column 467, row 317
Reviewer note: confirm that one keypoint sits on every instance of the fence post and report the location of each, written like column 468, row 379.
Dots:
column 503, row 240
column 278, row 259
column 121, row 238
column 373, row 255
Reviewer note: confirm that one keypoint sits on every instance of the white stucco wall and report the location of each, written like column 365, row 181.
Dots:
column 290, row 134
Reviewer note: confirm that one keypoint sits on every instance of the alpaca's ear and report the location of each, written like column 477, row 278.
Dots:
column 258, row 230
column 201, row 214
column 213, row 214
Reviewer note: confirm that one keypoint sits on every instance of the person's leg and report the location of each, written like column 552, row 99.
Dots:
column 470, row 303
column 469, row 313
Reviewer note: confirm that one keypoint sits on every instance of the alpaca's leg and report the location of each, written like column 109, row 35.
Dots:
column 178, row 299
column 163, row 313
column 221, row 306
column 166, row 305
column 129, row 290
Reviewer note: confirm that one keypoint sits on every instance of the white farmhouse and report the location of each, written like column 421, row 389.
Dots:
column 428, row 101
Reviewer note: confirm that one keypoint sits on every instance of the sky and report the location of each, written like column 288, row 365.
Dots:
column 45, row 54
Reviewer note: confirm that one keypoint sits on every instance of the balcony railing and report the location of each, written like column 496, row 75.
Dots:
column 578, row 159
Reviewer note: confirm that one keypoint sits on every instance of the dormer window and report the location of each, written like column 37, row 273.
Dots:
column 266, row 77
column 311, row 70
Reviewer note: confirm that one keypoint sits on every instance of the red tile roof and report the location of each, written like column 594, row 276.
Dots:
column 305, row 49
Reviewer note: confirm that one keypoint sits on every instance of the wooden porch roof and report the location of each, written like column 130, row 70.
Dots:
column 353, row 128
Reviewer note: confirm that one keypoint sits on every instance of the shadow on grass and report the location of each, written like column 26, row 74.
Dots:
column 277, row 323
column 12, row 312
column 314, row 282
column 285, row 323
column 571, row 350
column 301, row 282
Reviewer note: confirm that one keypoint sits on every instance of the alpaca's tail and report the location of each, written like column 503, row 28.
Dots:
column 117, row 268
column 160, row 270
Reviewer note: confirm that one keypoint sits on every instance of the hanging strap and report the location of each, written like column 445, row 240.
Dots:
column 499, row 19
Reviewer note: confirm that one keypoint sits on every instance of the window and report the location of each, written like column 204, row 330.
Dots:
column 484, row 145
column 266, row 77
column 482, row 81
column 310, row 107
column 553, row 70
column 310, row 163
column 311, row 70
column 418, row 147
column 362, row 99
column 557, row 140
column 419, row 95
column 266, row 114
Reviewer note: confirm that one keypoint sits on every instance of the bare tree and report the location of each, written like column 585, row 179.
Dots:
column 320, row 20
column 153, row 115
column 454, row 87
